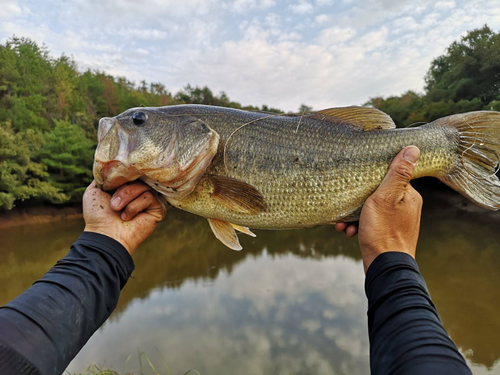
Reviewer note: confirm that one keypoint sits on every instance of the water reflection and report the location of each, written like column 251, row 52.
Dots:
column 290, row 302
column 185, row 248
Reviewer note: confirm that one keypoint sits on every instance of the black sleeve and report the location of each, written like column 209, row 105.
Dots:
column 406, row 333
column 44, row 328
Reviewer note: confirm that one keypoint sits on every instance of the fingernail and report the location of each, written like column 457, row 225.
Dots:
column 412, row 154
column 116, row 201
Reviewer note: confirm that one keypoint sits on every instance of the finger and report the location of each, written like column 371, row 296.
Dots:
column 126, row 194
column 340, row 227
column 401, row 170
column 145, row 222
column 351, row 230
column 93, row 191
column 93, row 185
column 145, row 202
column 139, row 204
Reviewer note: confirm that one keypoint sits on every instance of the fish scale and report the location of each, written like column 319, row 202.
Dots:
column 335, row 172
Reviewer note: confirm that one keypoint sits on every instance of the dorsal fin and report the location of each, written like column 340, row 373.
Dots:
column 365, row 117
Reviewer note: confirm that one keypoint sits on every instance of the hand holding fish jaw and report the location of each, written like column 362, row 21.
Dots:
column 129, row 216
column 390, row 218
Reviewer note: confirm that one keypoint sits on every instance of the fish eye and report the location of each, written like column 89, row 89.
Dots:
column 139, row 118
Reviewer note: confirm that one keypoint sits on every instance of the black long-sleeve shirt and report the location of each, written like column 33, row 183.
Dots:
column 406, row 333
column 46, row 326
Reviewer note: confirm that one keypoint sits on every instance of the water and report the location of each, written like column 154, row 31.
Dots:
column 292, row 302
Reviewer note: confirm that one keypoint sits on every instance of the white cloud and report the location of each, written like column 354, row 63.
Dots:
column 445, row 5
column 322, row 19
column 302, row 7
column 335, row 35
column 142, row 51
column 150, row 34
column 9, row 9
column 241, row 6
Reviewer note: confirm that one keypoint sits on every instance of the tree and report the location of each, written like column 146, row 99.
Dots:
column 305, row 109
column 24, row 84
column 20, row 177
column 469, row 69
column 68, row 155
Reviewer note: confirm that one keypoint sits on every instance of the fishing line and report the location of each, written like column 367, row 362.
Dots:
column 240, row 127
column 300, row 120
column 253, row 121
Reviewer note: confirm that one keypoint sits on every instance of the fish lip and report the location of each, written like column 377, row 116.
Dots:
column 113, row 174
column 105, row 125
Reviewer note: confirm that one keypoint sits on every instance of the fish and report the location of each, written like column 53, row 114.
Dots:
column 246, row 170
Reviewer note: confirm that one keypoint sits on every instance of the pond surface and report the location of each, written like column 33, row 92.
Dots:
column 292, row 302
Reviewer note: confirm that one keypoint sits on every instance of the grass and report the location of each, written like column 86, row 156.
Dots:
column 100, row 370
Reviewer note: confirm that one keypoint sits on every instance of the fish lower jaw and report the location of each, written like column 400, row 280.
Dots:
column 113, row 174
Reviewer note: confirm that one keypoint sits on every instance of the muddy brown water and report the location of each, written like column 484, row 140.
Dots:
column 292, row 302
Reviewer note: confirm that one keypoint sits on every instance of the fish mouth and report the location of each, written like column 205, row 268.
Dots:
column 111, row 175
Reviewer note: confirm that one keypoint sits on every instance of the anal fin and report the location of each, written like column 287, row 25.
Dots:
column 225, row 233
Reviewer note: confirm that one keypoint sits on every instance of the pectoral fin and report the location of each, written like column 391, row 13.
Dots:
column 236, row 195
column 225, row 233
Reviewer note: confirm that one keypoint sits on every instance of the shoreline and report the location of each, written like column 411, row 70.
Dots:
column 38, row 215
column 433, row 192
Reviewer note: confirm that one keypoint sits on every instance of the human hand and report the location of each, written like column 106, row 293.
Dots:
column 130, row 219
column 390, row 218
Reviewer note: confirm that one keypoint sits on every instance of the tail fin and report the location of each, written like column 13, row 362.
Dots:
column 479, row 146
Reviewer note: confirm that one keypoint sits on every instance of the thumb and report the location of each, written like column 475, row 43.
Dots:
column 401, row 170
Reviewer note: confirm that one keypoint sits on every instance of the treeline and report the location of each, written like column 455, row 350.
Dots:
column 49, row 113
column 466, row 78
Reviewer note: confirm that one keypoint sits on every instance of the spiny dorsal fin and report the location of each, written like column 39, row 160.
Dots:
column 225, row 233
column 365, row 117
column 236, row 195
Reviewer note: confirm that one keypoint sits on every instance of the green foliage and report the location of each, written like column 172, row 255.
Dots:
column 399, row 107
column 20, row 177
column 67, row 154
column 470, row 69
column 466, row 78
column 305, row 109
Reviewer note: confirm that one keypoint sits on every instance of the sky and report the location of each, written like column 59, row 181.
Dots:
column 323, row 53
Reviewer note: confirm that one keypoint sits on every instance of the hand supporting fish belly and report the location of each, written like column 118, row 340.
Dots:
column 245, row 170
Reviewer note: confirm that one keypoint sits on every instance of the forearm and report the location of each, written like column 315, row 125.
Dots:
column 47, row 325
column 406, row 333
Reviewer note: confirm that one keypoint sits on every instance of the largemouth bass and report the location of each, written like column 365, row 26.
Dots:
column 245, row 170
